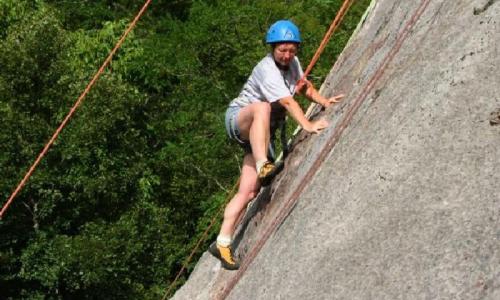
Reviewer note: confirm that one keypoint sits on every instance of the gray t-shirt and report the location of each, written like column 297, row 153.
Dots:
column 268, row 83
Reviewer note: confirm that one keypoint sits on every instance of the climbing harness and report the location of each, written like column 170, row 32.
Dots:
column 281, row 124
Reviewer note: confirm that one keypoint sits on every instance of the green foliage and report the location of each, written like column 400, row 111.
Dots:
column 136, row 176
column 106, row 256
column 92, row 14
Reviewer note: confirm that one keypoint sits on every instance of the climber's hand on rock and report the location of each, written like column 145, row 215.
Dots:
column 332, row 100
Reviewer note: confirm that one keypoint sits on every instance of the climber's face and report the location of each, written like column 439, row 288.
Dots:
column 284, row 53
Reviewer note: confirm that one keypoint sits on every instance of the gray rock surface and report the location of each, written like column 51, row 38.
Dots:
column 400, row 197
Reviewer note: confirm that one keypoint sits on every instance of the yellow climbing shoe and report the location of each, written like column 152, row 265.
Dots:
column 225, row 255
column 267, row 173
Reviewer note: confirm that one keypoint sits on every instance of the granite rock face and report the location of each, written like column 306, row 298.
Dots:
column 400, row 197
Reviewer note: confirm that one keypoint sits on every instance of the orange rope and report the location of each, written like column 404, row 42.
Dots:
column 73, row 109
column 201, row 240
column 335, row 23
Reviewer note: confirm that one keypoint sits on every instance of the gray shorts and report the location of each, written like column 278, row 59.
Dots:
column 232, row 129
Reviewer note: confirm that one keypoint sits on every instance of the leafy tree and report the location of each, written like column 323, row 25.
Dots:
column 92, row 14
column 136, row 176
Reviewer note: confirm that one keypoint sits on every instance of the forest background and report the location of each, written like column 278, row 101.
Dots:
column 133, row 180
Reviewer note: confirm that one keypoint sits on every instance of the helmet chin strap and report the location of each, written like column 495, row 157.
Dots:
column 280, row 66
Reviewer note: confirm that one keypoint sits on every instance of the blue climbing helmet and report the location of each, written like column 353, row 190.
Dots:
column 283, row 31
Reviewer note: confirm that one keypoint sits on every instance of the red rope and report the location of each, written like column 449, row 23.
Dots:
column 73, row 109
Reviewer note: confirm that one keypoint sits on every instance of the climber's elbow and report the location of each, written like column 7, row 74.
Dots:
column 287, row 102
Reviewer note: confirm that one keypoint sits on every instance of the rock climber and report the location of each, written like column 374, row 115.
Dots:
column 267, row 95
